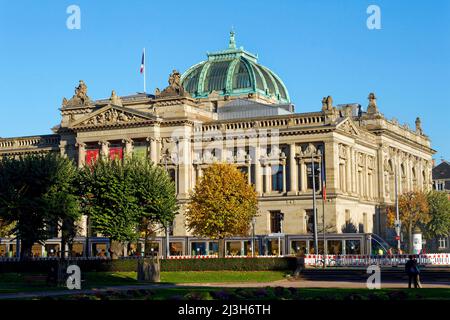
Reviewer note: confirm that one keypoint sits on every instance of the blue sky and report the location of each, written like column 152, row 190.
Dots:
column 318, row 48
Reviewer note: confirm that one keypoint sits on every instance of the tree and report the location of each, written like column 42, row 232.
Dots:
column 221, row 205
column 156, row 196
column 439, row 209
column 107, row 191
column 413, row 212
column 35, row 192
column 126, row 198
column 6, row 228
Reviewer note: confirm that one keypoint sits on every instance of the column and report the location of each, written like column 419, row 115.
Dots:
column 153, row 150
column 128, row 147
column 304, row 175
column 293, row 186
column 184, row 165
column 81, row 153
column 104, row 151
column 284, row 175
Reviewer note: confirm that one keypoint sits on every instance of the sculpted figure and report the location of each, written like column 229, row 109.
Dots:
column 372, row 107
column 327, row 103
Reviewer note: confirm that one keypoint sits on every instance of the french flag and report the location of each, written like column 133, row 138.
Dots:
column 143, row 62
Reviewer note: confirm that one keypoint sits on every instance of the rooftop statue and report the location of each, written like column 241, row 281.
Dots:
column 175, row 88
column 372, row 107
column 115, row 100
column 80, row 98
column 419, row 126
column 327, row 103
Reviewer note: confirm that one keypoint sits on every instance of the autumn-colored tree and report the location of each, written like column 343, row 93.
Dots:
column 222, row 204
column 413, row 211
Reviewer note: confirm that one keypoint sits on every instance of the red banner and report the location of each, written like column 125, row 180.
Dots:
column 91, row 156
column 115, row 153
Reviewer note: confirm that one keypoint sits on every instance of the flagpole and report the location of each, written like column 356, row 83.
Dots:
column 145, row 62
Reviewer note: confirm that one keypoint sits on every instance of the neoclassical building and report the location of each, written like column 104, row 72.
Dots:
column 229, row 108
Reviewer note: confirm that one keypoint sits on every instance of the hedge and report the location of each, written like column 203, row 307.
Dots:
column 211, row 264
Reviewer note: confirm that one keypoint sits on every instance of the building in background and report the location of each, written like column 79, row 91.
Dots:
column 230, row 108
column 441, row 182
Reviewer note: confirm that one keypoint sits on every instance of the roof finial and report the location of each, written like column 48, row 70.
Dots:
column 232, row 44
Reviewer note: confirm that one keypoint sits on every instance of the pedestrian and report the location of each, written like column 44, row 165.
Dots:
column 412, row 270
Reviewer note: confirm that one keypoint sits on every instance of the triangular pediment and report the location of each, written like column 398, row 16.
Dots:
column 112, row 115
column 347, row 126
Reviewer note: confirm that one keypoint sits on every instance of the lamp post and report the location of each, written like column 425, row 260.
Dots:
column 313, row 175
column 253, row 236
column 397, row 223
column 167, row 251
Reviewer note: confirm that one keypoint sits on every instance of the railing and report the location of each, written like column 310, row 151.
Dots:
column 11, row 143
column 309, row 119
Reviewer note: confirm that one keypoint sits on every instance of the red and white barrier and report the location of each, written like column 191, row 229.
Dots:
column 366, row 260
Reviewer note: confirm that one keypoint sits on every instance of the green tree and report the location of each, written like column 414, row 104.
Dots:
column 439, row 209
column 413, row 211
column 222, row 204
column 35, row 192
column 108, row 197
column 156, row 196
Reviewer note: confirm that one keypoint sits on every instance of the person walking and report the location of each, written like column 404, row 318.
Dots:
column 412, row 270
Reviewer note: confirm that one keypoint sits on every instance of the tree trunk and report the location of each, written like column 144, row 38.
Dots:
column 410, row 238
column 116, row 248
column 149, row 270
column 63, row 248
column 221, row 248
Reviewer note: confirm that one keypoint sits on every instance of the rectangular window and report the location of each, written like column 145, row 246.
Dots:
column 234, row 248
column 298, row 247
column 443, row 243
column 277, row 178
column 275, row 221
column 176, row 248
column 309, row 221
column 309, row 181
column 140, row 150
column 334, row 247
column 352, row 247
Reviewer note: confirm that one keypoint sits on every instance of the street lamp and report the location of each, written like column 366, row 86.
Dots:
column 167, row 251
column 253, row 235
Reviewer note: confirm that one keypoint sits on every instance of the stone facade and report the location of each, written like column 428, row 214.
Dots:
column 362, row 151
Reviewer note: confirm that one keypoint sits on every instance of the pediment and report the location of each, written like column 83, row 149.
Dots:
column 112, row 115
column 347, row 126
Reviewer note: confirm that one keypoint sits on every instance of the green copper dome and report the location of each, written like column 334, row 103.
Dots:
column 233, row 72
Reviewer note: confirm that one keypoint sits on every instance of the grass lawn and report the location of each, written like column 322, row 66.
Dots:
column 123, row 278
column 15, row 282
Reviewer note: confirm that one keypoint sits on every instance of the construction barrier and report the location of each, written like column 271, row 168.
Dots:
column 366, row 260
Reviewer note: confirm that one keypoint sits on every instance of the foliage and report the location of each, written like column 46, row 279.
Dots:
column 155, row 194
column 108, row 198
column 37, row 191
column 413, row 212
column 439, row 207
column 222, row 204
column 130, row 265
column 6, row 228
column 126, row 198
